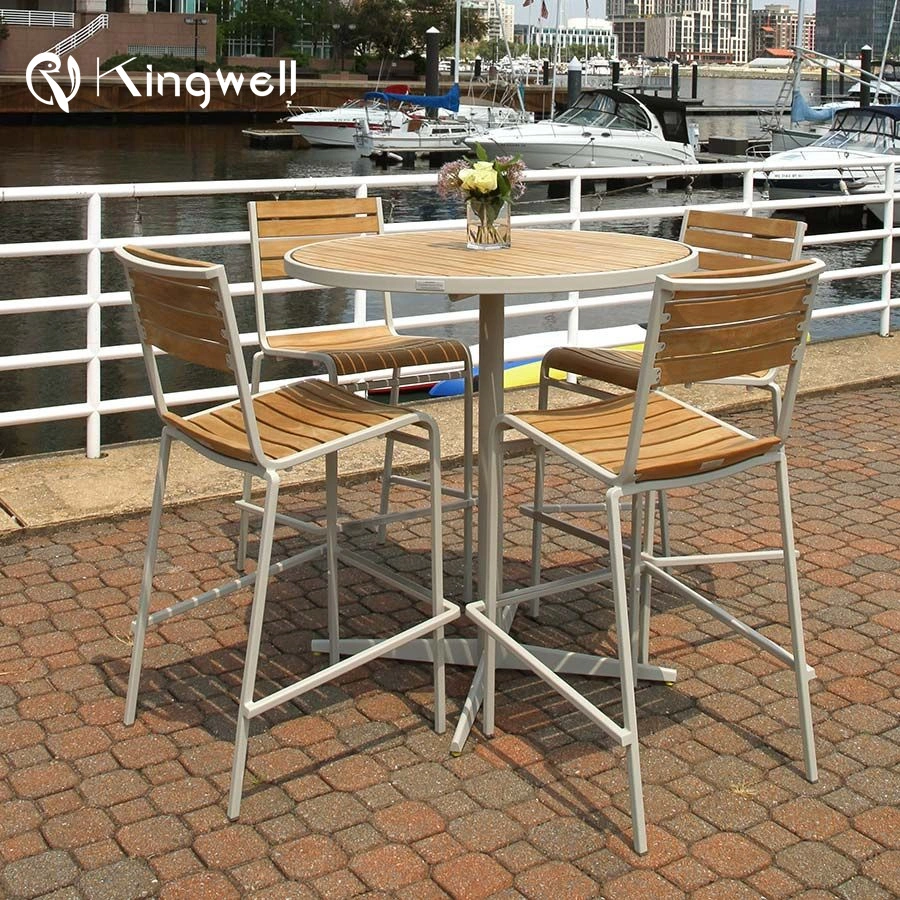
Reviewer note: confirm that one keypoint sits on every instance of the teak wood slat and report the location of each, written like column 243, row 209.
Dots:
column 321, row 208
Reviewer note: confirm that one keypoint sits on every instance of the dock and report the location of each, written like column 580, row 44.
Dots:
column 275, row 138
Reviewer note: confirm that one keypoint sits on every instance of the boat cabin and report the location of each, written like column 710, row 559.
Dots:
column 872, row 128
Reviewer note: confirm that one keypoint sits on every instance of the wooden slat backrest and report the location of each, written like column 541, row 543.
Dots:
column 728, row 240
column 181, row 316
column 281, row 225
column 708, row 334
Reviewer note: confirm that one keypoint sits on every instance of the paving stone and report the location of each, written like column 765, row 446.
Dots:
column 815, row 864
column 389, row 868
column 40, row 874
column 731, row 855
column 474, row 875
column 309, row 857
column 556, row 879
column 124, row 880
column 885, row 870
column 408, row 821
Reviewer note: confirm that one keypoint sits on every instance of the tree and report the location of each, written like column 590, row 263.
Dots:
column 396, row 28
column 273, row 24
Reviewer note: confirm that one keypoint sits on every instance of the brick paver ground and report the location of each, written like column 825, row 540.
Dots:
column 349, row 793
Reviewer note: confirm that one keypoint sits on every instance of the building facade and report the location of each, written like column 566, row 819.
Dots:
column 595, row 34
column 499, row 17
column 775, row 28
column 844, row 26
column 688, row 30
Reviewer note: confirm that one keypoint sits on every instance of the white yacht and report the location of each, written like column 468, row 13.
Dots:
column 845, row 155
column 336, row 127
column 445, row 130
column 603, row 127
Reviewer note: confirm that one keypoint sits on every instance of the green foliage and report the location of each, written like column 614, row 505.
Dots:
column 396, row 28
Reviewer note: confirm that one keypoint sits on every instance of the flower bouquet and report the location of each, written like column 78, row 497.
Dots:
column 488, row 187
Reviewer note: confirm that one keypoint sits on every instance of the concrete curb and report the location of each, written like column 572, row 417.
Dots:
column 50, row 489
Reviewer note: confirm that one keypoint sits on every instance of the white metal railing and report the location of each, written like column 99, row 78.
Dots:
column 68, row 44
column 96, row 243
column 38, row 17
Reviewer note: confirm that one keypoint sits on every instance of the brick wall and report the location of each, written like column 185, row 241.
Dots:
column 157, row 30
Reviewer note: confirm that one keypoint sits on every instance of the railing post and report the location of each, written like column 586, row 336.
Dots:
column 360, row 313
column 887, row 250
column 748, row 190
column 573, row 320
column 93, row 338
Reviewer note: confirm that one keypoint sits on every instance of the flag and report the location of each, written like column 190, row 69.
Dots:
column 528, row 2
column 545, row 13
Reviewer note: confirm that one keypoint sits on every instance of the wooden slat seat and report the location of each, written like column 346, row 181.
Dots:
column 292, row 419
column 356, row 351
column 677, row 440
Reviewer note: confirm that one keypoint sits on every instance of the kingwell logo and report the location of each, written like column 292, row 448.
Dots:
column 150, row 83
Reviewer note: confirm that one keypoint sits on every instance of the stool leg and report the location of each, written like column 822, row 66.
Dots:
column 139, row 627
column 537, row 528
column 388, row 473
column 626, row 676
column 331, row 556
column 438, row 648
column 468, row 483
column 254, row 638
column 663, row 523
column 643, row 624
column 244, row 526
column 792, row 585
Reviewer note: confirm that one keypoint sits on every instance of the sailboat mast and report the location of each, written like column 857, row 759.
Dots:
column 456, row 42
column 887, row 43
column 801, row 44
column 555, row 56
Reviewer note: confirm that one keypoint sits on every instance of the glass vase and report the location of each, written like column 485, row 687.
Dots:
column 487, row 224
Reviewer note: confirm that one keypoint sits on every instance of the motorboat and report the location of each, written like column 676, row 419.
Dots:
column 432, row 124
column 336, row 127
column 417, row 136
column 603, row 127
column 845, row 156
column 811, row 122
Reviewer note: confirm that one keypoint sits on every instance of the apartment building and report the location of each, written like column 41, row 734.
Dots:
column 774, row 27
column 689, row 30
column 844, row 26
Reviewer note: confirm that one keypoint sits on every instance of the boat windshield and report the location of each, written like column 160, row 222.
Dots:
column 863, row 129
column 602, row 111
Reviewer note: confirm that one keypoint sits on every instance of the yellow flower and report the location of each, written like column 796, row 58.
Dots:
column 480, row 179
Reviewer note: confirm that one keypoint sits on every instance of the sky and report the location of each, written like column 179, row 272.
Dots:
column 598, row 8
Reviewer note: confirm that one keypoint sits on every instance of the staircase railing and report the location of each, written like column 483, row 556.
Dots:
column 67, row 45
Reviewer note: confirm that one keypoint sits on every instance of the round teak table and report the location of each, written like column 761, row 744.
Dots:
column 540, row 261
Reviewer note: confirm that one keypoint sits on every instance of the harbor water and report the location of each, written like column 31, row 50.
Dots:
column 123, row 153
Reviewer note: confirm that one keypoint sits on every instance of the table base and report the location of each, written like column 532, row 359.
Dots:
column 467, row 652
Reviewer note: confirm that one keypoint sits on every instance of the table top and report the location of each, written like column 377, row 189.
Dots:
column 539, row 260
